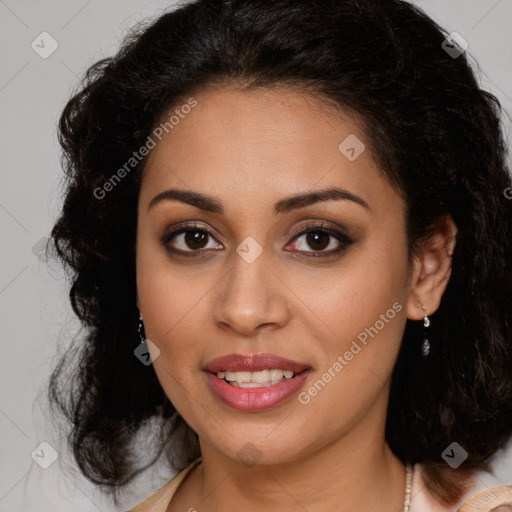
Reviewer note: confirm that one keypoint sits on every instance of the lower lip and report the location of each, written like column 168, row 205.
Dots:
column 256, row 399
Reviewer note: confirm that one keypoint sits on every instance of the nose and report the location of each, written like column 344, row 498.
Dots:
column 253, row 298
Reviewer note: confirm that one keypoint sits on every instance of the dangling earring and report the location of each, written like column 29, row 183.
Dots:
column 140, row 328
column 147, row 351
column 425, row 346
column 142, row 337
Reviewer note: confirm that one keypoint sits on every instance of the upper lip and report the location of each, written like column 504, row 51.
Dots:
column 252, row 363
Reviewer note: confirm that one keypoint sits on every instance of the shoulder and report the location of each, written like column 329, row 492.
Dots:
column 486, row 494
column 159, row 501
column 495, row 499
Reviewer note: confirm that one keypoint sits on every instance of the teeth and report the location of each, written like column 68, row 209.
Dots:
column 260, row 378
column 238, row 376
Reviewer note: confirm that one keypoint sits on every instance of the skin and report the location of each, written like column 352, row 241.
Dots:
column 250, row 150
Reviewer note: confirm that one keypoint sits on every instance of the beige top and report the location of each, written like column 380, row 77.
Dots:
column 479, row 499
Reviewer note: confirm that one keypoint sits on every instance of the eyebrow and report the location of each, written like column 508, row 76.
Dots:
column 213, row 205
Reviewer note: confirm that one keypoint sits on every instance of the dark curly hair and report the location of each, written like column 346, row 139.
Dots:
column 436, row 136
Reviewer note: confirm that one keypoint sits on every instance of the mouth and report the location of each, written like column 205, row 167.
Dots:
column 255, row 382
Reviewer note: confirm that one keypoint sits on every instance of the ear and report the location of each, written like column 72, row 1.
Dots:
column 432, row 266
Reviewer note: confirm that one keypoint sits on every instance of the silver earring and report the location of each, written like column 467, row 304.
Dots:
column 140, row 328
column 425, row 346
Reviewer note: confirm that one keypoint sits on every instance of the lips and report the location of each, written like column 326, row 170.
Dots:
column 255, row 398
column 252, row 363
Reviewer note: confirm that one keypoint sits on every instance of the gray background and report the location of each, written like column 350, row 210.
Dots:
column 35, row 317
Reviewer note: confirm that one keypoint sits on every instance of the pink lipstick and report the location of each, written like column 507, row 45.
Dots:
column 255, row 382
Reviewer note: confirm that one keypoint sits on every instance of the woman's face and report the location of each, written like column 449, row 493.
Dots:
column 245, row 279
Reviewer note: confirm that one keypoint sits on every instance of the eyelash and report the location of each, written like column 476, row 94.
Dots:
column 343, row 238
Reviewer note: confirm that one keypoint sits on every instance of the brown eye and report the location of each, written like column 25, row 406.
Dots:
column 319, row 237
column 189, row 239
column 318, row 240
column 195, row 239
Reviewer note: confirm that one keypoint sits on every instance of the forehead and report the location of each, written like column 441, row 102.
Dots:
column 261, row 145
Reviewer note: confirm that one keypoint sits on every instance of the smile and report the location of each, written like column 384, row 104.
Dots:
column 255, row 382
column 261, row 378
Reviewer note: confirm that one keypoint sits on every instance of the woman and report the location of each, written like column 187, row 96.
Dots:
column 298, row 213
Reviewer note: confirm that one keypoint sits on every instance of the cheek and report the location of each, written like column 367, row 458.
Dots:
column 175, row 304
column 174, row 320
column 173, row 311
column 356, row 363
column 352, row 297
column 166, row 291
column 363, row 312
